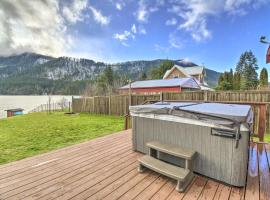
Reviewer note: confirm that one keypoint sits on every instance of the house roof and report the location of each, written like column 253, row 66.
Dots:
column 194, row 70
column 204, row 87
column 188, row 71
column 181, row 82
column 14, row 109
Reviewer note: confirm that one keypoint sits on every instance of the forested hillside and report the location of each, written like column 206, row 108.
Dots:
column 31, row 73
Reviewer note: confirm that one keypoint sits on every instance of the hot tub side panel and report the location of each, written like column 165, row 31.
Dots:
column 217, row 157
column 240, row 158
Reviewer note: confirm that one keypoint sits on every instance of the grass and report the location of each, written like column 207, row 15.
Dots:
column 32, row 134
column 267, row 137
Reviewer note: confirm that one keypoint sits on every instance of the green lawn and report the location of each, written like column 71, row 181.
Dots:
column 32, row 134
column 267, row 137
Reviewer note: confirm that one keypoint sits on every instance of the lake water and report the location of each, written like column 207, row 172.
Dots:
column 27, row 103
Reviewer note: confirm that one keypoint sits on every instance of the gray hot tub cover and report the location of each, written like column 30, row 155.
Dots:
column 224, row 114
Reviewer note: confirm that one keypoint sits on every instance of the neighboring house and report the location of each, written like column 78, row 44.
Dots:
column 176, row 71
column 197, row 72
column 163, row 85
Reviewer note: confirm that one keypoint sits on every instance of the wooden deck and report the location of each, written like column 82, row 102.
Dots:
column 105, row 168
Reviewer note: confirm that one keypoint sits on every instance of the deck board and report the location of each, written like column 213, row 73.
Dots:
column 196, row 188
column 252, row 187
column 48, row 180
column 264, row 173
column 38, row 172
column 58, row 153
column 106, row 168
column 209, row 190
column 223, row 192
column 165, row 190
column 152, row 189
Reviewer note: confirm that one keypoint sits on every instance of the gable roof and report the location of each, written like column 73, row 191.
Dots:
column 188, row 71
column 194, row 70
column 181, row 82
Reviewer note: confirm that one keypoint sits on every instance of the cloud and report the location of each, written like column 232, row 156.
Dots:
column 171, row 22
column 195, row 14
column 119, row 5
column 99, row 18
column 73, row 12
column 33, row 26
column 142, row 14
column 142, row 30
column 174, row 42
column 134, row 29
column 144, row 10
column 122, row 36
column 128, row 34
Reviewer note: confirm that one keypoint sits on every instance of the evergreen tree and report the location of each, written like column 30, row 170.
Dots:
column 166, row 65
column 225, row 81
column 143, row 76
column 220, row 79
column 236, row 81
column 102, row 86
column 158, row 73
column 108, row 72
column 264, row 78
column 230, row 77
column 155, row 74
column 105, row 81
column 247, row 67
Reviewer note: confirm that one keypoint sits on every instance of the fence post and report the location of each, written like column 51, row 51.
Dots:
column 262, row 117
column 93, row 104
column 71, row 103
column 127, row 118
column 129, row 93
column 161, row 96
column 205, row 95
column 109, row 104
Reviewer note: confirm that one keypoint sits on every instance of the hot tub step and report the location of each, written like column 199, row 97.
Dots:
column 172, row 150
column 183, row 176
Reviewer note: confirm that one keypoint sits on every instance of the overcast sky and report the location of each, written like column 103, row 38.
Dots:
column 209, row 32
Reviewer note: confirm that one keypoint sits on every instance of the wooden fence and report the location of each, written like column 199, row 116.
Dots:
column 118, row 104
column 52, row 107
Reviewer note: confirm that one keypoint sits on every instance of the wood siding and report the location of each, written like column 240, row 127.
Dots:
column 176, row 73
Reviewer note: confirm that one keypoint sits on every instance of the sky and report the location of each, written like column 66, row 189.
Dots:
column 212, row 33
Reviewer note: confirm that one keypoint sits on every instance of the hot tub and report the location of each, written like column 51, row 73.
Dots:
column 219, row 133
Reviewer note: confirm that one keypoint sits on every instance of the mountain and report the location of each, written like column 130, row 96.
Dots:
column 31, row 73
